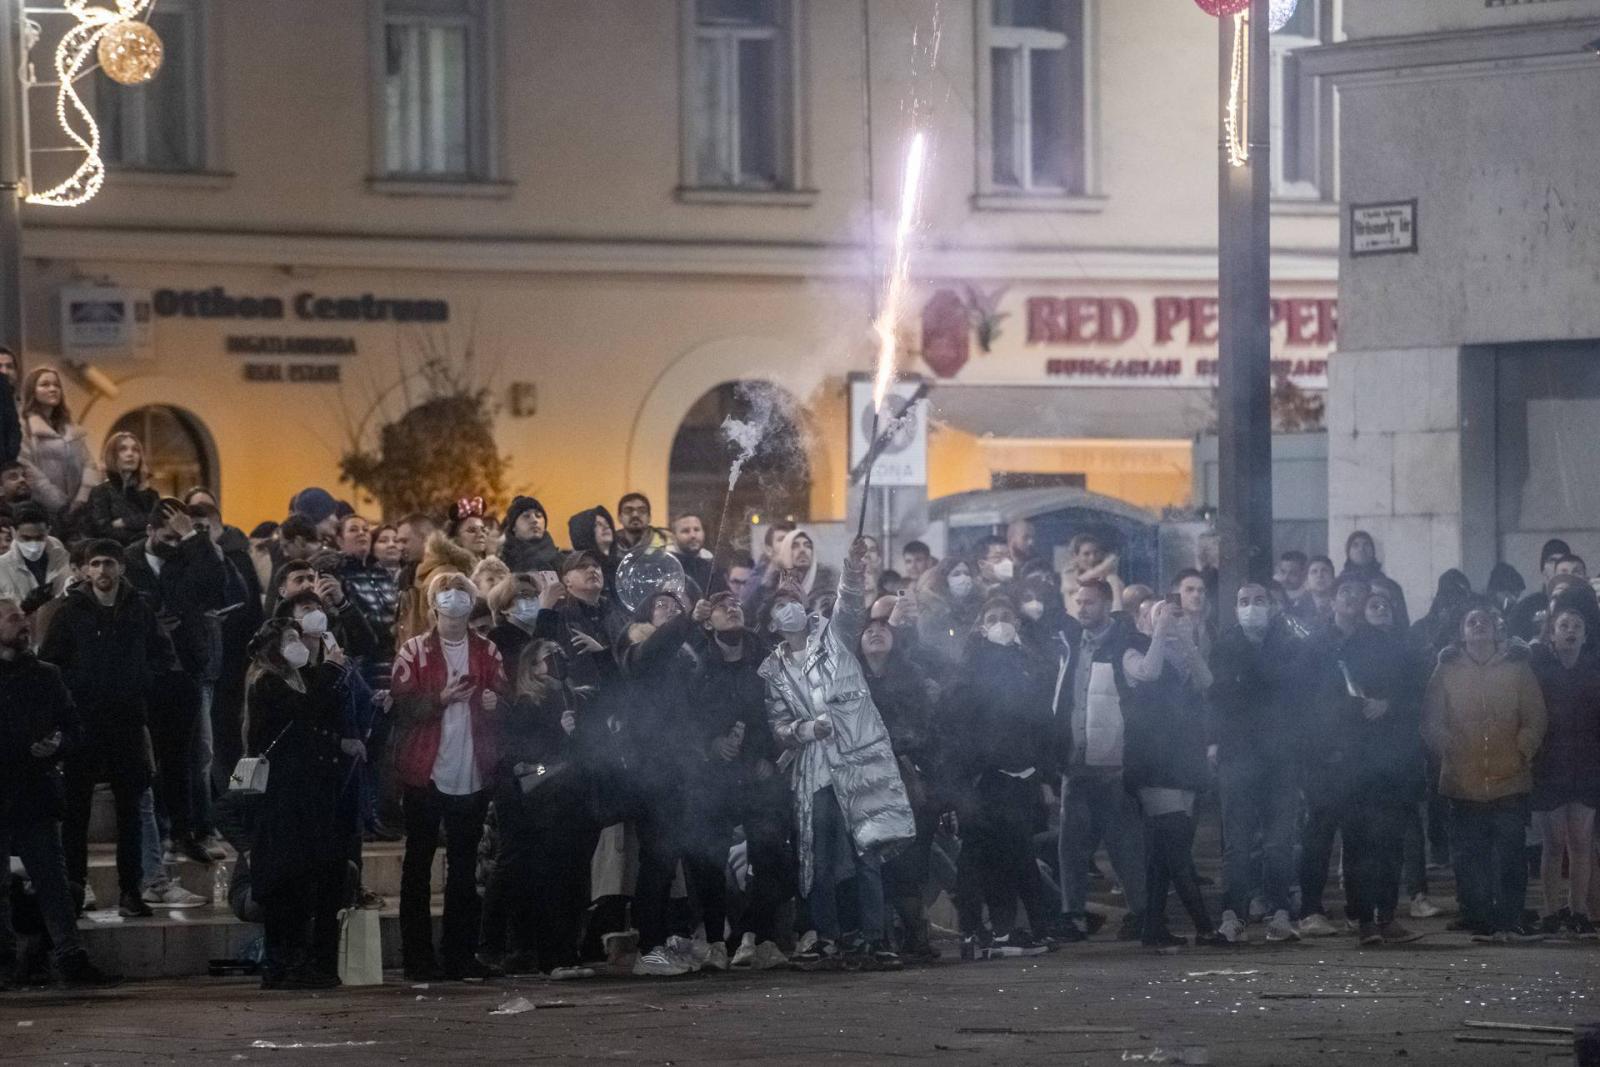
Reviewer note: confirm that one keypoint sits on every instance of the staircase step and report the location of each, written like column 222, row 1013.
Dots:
column 380, row 873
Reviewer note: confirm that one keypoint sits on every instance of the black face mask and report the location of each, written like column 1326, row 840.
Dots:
column 729, row 638
column 162, row 550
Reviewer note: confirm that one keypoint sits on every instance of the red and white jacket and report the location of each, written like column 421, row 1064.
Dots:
column 419, row 676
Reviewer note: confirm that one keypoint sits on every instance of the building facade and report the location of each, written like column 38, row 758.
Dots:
column 609, row 213
column 1463, row 402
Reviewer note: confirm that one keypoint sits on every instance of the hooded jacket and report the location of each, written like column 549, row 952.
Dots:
column 540, row 554
column 826, row 678
column 440, row 555
column 1485, row 722
column 580, row 531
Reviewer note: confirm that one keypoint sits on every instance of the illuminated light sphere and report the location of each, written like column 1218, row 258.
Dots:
column 130, row 52
column 1222, row 8
column 1282, row 11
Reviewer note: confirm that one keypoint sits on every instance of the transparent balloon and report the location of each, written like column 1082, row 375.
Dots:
column 1280, row 14
column 645, row 571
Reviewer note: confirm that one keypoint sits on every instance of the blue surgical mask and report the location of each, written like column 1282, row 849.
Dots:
column 524, row 609
column 453, row 603
column 789, row 617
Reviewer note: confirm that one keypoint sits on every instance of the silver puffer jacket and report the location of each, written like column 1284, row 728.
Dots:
column 826, row 678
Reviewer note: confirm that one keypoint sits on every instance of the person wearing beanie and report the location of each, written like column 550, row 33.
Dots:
column 528, row 546
column 320, row 507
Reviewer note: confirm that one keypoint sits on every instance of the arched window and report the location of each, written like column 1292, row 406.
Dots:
column 774, row 481
column 175, row 448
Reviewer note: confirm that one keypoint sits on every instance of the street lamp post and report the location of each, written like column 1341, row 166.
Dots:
column 1244, row 288
column 11, row 191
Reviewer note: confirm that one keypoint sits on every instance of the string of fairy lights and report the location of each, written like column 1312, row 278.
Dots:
column 122, row 44
column 1236, row 112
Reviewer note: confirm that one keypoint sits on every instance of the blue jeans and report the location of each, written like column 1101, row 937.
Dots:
column 1491, row 873
column 1094, row 809
column 151, row 857
column 833, row 860
column 37, row 842
column 1260, row 795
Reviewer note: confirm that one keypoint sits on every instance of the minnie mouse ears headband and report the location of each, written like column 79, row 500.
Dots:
column 469, row 506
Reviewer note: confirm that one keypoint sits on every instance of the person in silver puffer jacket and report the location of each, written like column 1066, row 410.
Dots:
column 850, row 803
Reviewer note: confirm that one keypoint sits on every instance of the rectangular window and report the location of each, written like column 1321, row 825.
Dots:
column 742, row 88
column 435, row 89
column 160, row 125
column 1295, row 107
column 1036, row 62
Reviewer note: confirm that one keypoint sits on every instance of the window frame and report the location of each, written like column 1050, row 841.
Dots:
column 202, row 131
column 1315, row 117
column 791, row 188
column 484, row 111
column 994, row 195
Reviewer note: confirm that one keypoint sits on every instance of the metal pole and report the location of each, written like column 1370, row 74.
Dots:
column 11, row 105
column 1244, row 395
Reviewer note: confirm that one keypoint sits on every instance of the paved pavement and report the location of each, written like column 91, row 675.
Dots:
column 1226, row 1002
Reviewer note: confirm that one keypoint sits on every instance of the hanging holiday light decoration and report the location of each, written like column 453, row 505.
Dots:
column 1236, row 119
column 1222, row 8
column 1280, row 13
column 132, row 58
column 130, row 52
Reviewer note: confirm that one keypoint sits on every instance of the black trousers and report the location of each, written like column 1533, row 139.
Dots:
column 461, row 818
column 1374, row 829
column 1169, row 861
column 673, row 828
column 174, row 711
column 1323, row 819
column 301, row 923
column 84, row 770
column 997, row 865
column 541, row 882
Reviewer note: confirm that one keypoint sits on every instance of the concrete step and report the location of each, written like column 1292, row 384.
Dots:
column 177, row 944
column 380, row 862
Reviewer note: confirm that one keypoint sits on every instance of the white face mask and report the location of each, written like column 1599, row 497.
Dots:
column 1001, row 633
column 524, row 609
column 314, row 622
column 1033, row 609
column 296, row 654
column 1004, row 570
column 453, row 603
column 789, row 617
column 960, row 585
column 32, row 551
column 1254, row 617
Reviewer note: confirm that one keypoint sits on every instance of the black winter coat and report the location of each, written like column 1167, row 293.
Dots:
column 117, row 498
column 299, row 835
column 661, row 738
column 34, row 704
column 1566, row 769
column 1255, row 699
column 193, row 582
column 997, row 715
column 1344, row 751
column 109, row 657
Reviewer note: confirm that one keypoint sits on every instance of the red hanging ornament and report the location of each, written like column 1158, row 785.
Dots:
column 1222, row 8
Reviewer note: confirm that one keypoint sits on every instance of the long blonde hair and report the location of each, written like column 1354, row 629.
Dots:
column 530, row 682
column 61, row 417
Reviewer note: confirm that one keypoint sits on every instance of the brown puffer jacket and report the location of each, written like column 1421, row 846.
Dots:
column 1485, row 722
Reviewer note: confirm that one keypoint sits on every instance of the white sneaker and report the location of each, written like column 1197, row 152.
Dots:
column 769, row 957
column 659, row 963
column 716, row 957
column 1423, row 908
column 807, row 942
column 1258, row 908
column 569, row 974
column 89, row 901
column 1316, row 926
column 1231, row 929
column 169, row 894
column 745, row 955
column 691, row 954
column 1279, row 928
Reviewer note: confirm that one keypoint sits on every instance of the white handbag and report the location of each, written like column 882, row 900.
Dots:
column 250, row 773
column 360, row 947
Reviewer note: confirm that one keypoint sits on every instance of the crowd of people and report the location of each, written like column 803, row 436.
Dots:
column 763, row 762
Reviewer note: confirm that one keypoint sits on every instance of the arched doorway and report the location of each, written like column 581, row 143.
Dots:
column 774, row 480
column 176, row 448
